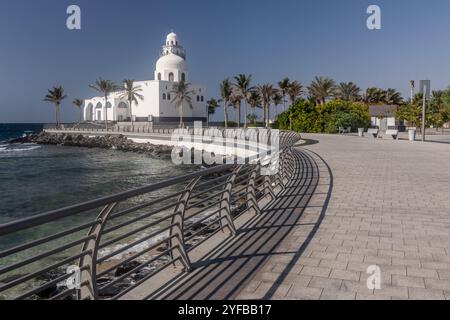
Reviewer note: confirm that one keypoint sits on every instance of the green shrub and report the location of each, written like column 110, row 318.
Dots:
column 326, row 118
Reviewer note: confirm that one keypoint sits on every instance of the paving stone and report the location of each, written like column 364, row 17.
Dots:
column 330, row 294
column 405, row 281
column 425, row 294
column 424, row 273
column 345, row 275
column 316, row 271
column 318, row 282
column 303, row 293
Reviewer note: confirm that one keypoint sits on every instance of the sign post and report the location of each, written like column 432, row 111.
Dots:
column 425, row 89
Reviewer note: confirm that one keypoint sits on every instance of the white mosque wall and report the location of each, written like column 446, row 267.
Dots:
column 149, row 105
column 157, row 104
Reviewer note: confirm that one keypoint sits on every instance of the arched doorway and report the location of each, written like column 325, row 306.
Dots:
column 171, row 77
column 89, row 112
column 123, row 112
column 98, row 112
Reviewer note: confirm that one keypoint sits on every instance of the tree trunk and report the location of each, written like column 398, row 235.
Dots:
column 106, row 112
column 225, row 112
column 181, row 115
column 131, row 114
column 246, row 113
column 56, row 116
column 239, row 115
column 290, row 111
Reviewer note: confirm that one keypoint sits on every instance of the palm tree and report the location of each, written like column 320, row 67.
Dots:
column 236, row 99
column 211, row 106
column 348, row 91
column 295, row 91
column 56, row 95
column 243, row 86
column 438, row 109
column 182, row 94
column 131, row 93
column 322, row 88
column 225, row 92
column 78, row 103
column 393, row 97
column 277, row 99
column 266, row 92
column 255, row 102
column 284, row 89
column 106, row 87
column 374, row 95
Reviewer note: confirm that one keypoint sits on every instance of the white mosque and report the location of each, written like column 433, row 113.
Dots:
column 157, row 106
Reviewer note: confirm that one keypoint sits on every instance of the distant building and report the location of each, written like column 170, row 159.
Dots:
column 157, row 104
column 383, row 117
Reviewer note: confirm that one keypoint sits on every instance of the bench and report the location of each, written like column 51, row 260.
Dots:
column 392, row 133
column 373, row 133
column 343, row 130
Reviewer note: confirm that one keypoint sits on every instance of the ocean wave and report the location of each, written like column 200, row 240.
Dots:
column 18, row 148
column 141, row 246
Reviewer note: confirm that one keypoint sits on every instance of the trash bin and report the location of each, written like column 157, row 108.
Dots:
column 361, row 132
column 412, row 134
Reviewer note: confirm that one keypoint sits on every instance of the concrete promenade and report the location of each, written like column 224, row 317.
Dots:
column 382, row 202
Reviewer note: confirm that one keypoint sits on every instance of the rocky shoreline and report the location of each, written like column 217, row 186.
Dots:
column 115, row 142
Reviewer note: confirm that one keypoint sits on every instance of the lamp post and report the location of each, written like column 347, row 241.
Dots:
column 425, row 89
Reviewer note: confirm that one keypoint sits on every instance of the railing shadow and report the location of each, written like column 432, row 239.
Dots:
column 229, row 268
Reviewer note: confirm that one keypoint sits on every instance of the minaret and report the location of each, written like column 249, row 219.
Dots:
column 173, row 46
column 171, row 66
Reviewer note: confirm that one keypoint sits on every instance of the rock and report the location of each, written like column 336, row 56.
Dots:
column 114, row 142
column 114, row 289
column 49, row 292
column 126, row 268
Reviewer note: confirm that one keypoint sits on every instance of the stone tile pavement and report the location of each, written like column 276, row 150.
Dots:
column 378, row 202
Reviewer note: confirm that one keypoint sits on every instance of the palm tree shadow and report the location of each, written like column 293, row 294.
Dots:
column 225, row 273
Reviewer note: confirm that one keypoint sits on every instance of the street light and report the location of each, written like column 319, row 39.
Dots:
column 425, row 89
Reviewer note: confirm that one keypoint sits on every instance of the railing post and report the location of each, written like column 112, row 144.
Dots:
column 268, row 188
column 251, row 192
column 225, row 203
column 176, row 242
column 88, row 290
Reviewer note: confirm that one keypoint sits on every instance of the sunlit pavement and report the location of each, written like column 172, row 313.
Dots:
column 378, row 203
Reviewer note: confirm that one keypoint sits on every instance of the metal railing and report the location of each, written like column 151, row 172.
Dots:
column 105, row 248
column 120, row 129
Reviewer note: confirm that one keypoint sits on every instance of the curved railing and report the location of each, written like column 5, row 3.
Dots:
column 107, row 247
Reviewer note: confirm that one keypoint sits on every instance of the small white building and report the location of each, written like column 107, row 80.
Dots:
column 384, row 117
column 157, row 106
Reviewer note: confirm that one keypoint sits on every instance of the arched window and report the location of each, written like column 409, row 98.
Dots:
column 159, row 76
column 164, row 96
column 168, row 96
column 171, row 76
column 171, row 42
column 198, row 98
column 183, row 77
column 202, row 98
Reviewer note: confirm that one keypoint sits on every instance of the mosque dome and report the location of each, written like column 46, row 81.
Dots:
column 171, row 62
column 171, row 66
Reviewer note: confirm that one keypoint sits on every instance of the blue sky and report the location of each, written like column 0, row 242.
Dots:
column 268, row 39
